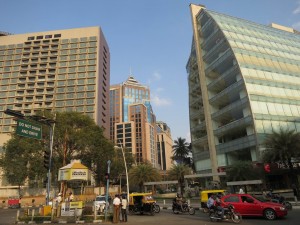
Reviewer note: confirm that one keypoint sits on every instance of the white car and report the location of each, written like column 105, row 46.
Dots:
column 100, row 203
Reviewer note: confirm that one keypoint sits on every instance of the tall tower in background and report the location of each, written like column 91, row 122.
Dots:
column 132, row 121
column 61, row 70
column 164, row 146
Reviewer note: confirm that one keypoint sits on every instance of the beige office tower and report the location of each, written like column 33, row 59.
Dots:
column 132, row 121
column 164, row 146
column 61, row 70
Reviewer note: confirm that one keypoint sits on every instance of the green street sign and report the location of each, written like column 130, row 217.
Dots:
column 28, row 129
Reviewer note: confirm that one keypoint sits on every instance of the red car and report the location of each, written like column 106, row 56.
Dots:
column 249, row 205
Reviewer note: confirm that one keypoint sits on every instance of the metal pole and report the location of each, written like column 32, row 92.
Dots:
column 107, row 188
column 50, row 164
column 126, row 173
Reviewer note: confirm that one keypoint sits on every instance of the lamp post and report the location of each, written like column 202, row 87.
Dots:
column 125, row 164
column 107, row 188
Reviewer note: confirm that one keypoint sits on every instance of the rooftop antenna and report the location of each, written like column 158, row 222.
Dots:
column 130, row 72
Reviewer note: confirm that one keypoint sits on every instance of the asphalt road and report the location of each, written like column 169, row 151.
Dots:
column 166, row 217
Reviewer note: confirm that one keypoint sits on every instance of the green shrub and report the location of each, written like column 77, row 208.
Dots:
column 87, row 210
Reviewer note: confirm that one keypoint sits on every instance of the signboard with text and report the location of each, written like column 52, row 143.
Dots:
column 29, row 129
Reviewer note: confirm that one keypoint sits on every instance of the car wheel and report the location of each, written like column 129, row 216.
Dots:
column 270, row 214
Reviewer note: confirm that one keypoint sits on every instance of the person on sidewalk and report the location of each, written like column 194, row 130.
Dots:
column 124, row 208
column 116, row 203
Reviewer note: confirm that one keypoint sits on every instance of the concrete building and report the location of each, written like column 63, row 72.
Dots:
column 132, row 121
column 61, row 70
column 244, row 83
column 164, row 146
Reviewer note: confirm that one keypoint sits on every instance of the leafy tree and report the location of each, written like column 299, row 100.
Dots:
column 177, row 172
column 117, row 164
column 283, row 146
column 181, row 150
column 78, row 137
column 142, row 173
column 22, row 159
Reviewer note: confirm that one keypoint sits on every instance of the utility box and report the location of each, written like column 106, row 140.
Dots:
column 46, row 210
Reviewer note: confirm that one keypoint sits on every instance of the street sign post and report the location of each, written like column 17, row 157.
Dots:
column 29, row 129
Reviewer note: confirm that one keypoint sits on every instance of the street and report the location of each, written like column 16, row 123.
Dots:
column 166, row 217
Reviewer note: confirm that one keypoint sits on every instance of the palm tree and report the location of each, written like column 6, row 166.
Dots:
column 283, row 146
column 181, row 149
column 142, row 173
column 177, row 172
column 241, row 171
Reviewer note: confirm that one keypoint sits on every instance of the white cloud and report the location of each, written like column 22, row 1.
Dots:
column 297, row 10
column 158, row 101
column 154, row 77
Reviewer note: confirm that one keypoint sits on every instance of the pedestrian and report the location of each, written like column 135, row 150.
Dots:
column 58, row 204
column 116, row 203
column 241, row 191
column 124, row 208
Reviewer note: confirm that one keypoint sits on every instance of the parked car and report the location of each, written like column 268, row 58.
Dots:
column 100, row 202
column 249, row 205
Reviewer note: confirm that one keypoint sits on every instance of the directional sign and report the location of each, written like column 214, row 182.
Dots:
column 29, row 129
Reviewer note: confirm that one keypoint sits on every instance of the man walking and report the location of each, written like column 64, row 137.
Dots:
column 116, row 203
column 124, row 208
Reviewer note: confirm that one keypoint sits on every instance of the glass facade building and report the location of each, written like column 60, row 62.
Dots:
column 244, row 83
column 132, row 121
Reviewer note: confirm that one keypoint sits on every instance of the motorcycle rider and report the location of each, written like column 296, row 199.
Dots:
column 218, row 205
column 211, row 201
column 179, row 201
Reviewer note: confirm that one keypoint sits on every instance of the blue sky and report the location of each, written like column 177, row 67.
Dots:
column 152, row 38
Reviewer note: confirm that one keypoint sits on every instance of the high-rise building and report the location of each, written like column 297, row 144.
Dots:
column 132, row 121
column 61, row 70
column 244, row 83
column 164, row 146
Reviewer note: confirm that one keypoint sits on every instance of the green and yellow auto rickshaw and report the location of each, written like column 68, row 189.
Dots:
column 141, row 203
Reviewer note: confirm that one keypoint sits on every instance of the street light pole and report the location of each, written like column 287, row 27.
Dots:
column 51, row 127
column 107, row 188
column 125, row 164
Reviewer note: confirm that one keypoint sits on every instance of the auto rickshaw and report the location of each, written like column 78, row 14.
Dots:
column 141, row 203
column 204, row 196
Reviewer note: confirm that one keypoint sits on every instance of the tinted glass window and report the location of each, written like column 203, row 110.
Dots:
column 232, row 199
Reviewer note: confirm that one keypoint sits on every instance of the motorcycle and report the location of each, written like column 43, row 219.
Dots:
column 185, row 207
column 156, row 208
column 281, row 200
column 229, row 214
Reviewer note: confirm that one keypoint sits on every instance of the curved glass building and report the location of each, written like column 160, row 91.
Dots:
column 244, row 83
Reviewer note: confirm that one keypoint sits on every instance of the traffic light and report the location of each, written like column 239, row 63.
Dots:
column 106, row 176
column 267, row 168
column 46, row 159
column 45, row 182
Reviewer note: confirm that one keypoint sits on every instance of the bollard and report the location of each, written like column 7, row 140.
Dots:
column 164, row 202
column 189, row 201
column 75, row 214
column 95, row 213
column 32, row 214
column 18, row 215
